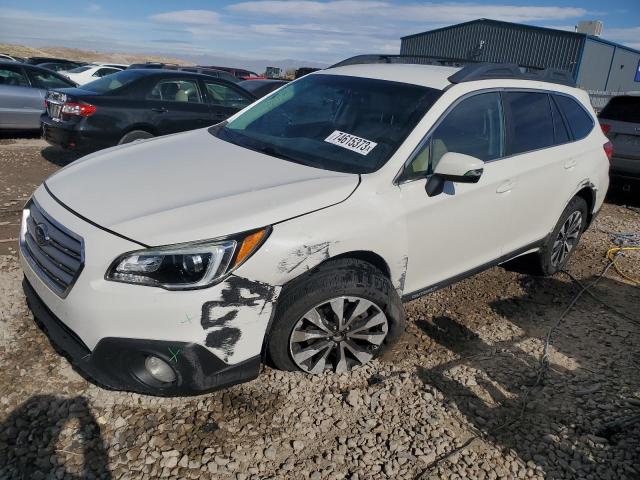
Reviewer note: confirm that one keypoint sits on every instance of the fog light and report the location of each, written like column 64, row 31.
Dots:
column 159, row 369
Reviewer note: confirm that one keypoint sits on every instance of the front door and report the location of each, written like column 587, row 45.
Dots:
column 225, row 100
column 463, row 228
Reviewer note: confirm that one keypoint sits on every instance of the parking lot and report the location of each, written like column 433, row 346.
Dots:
column 457, row 397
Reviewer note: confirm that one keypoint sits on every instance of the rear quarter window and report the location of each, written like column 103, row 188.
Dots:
column 580, row 122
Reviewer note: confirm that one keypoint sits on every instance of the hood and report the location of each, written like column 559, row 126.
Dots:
column 192, row 186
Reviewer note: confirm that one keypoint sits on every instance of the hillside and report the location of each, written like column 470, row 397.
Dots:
column 85, row 55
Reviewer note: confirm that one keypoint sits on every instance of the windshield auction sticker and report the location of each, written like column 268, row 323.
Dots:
column 351, row 142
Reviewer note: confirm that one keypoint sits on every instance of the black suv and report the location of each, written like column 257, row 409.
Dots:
column 137, row 104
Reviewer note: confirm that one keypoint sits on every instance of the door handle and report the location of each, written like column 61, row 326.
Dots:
column 505, row 187
column 569, row 164
column 159, row 110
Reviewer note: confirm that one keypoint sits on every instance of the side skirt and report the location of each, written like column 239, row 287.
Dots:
column 469, row 273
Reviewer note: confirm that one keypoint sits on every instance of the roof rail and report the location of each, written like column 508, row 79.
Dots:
column 406, row 59
column 486, row 71
column 471, row 69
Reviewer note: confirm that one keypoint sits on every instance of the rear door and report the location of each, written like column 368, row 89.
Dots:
column 20, row 104
column 176, row 104
column 542, row 164
column 225, row 99
column 621, row 120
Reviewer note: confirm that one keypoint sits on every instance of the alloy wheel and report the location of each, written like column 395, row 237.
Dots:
column 339, row 334
column 566, row 239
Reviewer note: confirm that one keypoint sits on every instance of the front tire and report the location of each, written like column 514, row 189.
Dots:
column 560, row 245
column 338, row 317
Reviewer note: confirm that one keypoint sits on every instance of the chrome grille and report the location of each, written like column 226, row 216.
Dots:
column 55, row 253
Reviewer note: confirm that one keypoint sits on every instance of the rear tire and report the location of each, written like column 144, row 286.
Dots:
column 561, row 244
column 134, row 135
column 372, row 318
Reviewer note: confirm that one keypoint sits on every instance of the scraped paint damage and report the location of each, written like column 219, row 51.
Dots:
column 404, row 262
column 307, row 257
column 218, row 315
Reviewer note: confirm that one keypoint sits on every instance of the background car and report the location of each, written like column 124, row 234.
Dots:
column 89, row 73
column 39, row 60
column 10, row 58
column 58, row 66
column 262, row 87
column 620, row 121
column 211, row 72
column 152, row 65
column 137, row 104
column 22, row 92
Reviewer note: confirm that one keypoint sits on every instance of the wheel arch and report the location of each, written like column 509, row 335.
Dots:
column 588, row 194
column 145, row 127
column 366, row 256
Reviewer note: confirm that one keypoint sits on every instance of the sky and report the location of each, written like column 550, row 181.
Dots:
column 322, row 31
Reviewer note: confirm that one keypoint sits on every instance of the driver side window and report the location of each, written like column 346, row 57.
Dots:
column 474, row 127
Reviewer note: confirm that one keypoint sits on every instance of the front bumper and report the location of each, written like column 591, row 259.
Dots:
column 219, row 330
column 118, row 363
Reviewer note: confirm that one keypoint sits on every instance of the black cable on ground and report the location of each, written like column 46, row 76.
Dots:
column 543, row 364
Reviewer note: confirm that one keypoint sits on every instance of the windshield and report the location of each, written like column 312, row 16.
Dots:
column 113, row 81
column 341, row 123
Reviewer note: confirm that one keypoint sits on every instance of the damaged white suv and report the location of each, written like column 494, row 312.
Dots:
column 292, row 233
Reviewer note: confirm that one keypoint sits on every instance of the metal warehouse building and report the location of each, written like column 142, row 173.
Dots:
column 596, row 64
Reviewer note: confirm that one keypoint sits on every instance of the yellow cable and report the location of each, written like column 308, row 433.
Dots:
column 611, row 255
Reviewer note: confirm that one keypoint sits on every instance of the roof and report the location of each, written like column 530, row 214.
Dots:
column 433, row 76
column 521, row 26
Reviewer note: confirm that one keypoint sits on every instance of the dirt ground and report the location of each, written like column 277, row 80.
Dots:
column 446, row 402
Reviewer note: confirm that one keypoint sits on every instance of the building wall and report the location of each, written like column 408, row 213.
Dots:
column 623, row 71
column 594, row 66
column 502, row 43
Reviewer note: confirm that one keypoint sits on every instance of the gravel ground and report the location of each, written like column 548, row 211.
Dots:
column 446, row 402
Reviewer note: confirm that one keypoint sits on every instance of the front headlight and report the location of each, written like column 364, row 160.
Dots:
column 185, row 266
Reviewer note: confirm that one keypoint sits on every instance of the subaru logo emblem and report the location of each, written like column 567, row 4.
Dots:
column 42, row 234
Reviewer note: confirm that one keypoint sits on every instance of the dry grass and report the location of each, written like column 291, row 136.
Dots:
column 85, row 55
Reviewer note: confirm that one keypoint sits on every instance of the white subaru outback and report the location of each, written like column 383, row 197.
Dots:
column 293, row 232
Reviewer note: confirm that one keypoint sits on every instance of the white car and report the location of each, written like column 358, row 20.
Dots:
column 293, row 232
column 89, row 73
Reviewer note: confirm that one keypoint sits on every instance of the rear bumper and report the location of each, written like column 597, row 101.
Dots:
column 625, row 167
column 71, row 136
column 118, row 363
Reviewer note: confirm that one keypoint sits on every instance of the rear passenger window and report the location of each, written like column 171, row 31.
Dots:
column 173, row 90
column 530, row 121
column 559, row 129
column 579, row 121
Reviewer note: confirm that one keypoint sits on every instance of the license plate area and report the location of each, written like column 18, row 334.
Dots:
column 630, row 140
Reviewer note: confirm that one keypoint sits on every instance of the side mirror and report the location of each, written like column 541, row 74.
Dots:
column 454, row 167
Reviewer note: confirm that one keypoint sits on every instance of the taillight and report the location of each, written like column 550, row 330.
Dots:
column 81, row 109
column 605, row 128
column 608, row 150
